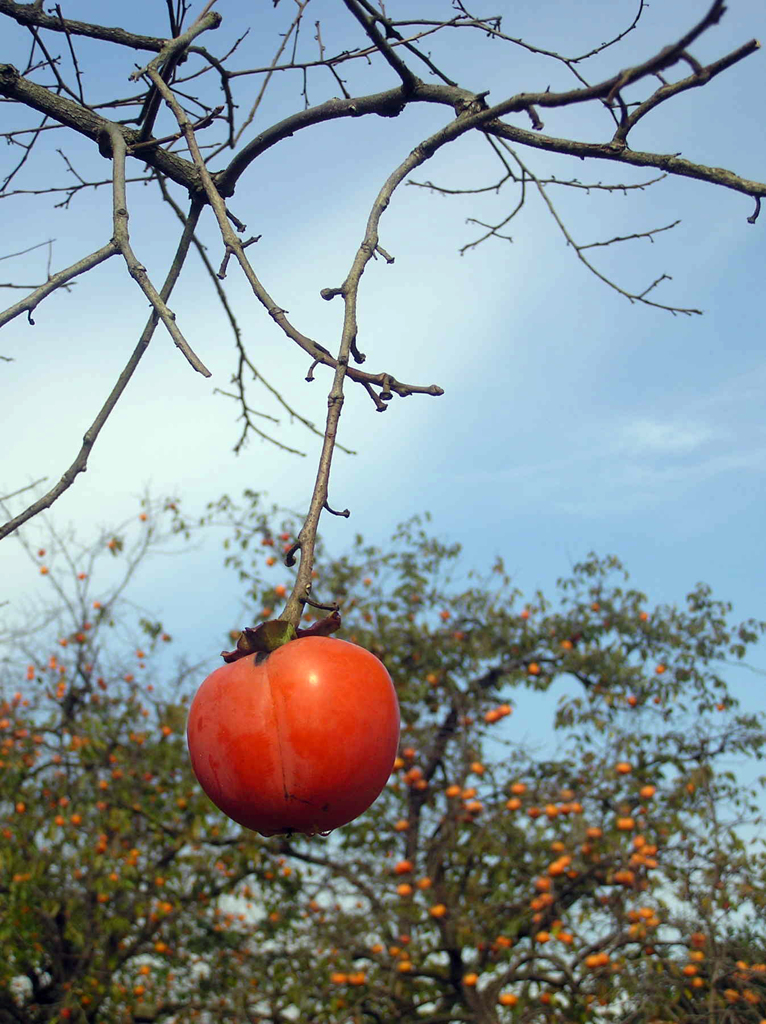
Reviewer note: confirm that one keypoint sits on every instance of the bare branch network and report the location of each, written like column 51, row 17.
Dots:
column 206, row 145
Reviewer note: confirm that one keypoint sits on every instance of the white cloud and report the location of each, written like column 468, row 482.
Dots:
column 621, row 487
column 669, row 437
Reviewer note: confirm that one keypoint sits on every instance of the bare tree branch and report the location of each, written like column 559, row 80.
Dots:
column 235, row 246
column 578, row 249
column 88, row 123
column 91, row 435
column 173, row 49
column 33, row 14
column 265, row 84
column 244, row 361
column 57, row 281
column 670, row 163
column 136, row 270
column 700, row 77
column 367, row 17
column 622, row 100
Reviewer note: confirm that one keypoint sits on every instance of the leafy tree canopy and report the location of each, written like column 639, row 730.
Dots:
column 606, row 871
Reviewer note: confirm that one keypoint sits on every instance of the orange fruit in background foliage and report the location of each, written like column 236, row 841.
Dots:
column 300, row 740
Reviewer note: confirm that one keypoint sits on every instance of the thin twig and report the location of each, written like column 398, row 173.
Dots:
column 28, row 487
column 72, row 54
column 23, row 252
column 233, row 244
column 243, row 358
column 578, row 249
column 269, row 71
column 630, row 238
column 59, row 280
column 52, row 63
column 26, row 155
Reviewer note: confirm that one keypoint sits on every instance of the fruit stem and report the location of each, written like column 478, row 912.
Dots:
column 306, row 539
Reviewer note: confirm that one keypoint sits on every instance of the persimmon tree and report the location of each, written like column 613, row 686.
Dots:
column 562, row 838
column 178, row 109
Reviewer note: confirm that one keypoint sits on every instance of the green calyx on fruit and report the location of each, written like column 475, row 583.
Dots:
column 269, row 636
column 262, row 639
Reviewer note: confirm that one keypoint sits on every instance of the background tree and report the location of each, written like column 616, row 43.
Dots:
column 562, row 838
column 181, row 124
column 115, row 867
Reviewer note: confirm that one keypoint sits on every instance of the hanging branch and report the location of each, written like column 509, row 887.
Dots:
column 243, row 360
column 579, row 249
column 307, row 537
column 80, row 463
column 136, row 270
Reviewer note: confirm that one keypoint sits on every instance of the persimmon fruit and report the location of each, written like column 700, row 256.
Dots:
column 302, row 739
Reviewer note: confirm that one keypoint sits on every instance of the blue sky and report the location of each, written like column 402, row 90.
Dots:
column 572, row 420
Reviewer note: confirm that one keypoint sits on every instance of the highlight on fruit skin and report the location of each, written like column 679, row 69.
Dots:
column 302, row 739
